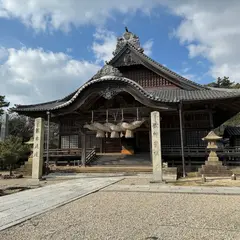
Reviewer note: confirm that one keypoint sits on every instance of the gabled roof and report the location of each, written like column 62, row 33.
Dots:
column 130, row 45
column 156, row 67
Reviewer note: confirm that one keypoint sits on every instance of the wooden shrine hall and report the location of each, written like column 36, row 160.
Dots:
column 109, row 115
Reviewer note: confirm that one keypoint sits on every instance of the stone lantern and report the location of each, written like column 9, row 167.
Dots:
column 212, row 139
column 30, row 143
column 213, row 167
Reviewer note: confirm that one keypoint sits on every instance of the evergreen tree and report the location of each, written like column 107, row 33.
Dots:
column 3, row 104
column 223, row 83
column 11, row 150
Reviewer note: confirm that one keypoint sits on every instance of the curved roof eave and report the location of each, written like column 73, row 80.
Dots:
column 111, row 78
column 58, row 104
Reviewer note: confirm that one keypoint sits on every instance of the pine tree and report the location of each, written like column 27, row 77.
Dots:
column 11, row 150
column 3, row 104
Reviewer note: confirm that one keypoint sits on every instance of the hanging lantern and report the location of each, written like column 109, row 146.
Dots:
column 114, row 134
column 129, row 134
column 100, row 134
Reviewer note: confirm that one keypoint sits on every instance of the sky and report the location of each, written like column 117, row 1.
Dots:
column 49, row 48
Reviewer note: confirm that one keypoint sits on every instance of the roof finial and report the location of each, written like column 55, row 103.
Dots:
column 128, row 37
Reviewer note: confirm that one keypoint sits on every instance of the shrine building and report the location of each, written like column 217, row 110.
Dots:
column 109, row 115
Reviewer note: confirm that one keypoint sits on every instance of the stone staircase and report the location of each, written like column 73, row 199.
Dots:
column 123, row 160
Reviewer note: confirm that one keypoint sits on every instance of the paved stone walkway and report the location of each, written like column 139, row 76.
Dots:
column 165, row 188
column 18, row 207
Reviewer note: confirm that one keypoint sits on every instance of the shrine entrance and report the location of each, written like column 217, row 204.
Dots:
column 120, row 124
column 112, row 145
column 139, row 143
column 142, row 141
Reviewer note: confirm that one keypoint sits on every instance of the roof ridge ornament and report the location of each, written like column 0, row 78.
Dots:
column 128, row 37
column 107, row 70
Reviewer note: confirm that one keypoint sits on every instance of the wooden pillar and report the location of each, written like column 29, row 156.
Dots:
column 182, row 139
column 211, row 119
column 83, row 155
column 48, row 139
column 60, row 134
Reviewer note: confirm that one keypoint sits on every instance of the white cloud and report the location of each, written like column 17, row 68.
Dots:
column 104, row 44
column 147, row 46
column 33, row 75
column 69, row 50
column 3, row 54
column 211, row 29
column 55, row 14
column 208, row 28
column 186, row 69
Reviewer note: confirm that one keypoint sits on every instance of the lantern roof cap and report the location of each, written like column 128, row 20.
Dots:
column 212, row 136
column 30, row 141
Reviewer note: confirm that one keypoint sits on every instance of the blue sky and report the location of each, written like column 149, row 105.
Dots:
column 48, row 50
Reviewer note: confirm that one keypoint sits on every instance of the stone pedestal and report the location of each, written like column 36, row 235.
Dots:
column 213, row 167
column 156, row 152
column 37, row 160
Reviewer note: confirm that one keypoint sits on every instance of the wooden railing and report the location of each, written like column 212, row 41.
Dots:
column 167, row 151
column 200, row 151
column 91, row 156
column 188, row 151
column 68, row 152
column 63, row 152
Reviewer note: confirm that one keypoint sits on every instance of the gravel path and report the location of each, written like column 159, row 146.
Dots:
column 115, row 216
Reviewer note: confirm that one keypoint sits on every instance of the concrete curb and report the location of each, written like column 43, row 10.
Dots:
column 179, row 190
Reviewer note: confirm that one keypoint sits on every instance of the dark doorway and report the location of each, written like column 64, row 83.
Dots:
column 142, row 141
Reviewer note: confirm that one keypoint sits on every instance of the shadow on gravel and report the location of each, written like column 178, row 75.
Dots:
column 11, row 190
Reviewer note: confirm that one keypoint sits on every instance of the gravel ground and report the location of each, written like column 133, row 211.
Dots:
column 134, row 181
column 118, row 215
column 213, row 181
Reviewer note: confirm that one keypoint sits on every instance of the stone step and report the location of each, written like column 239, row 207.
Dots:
column 216, row 172
column 214, row 168
column 127, row 160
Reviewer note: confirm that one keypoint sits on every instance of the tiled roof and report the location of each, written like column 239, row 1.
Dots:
column 157, row 65
column 176, row 95
column 38, row 107
column 161, row 95
column 232, row 131
column 72, row 97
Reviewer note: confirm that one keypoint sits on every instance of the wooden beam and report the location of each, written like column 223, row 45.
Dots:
column 181, row 137
column 83, row 155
